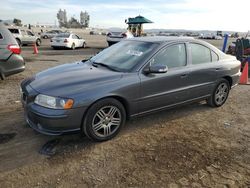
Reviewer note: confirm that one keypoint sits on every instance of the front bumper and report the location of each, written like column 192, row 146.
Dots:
column 51, row 121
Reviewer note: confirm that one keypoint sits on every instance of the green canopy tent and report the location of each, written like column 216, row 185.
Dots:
column 135, row 24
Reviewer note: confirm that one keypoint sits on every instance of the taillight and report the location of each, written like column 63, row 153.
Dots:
column 65, row 40
column 109, row 34
column 124, row 35
column 14, row 48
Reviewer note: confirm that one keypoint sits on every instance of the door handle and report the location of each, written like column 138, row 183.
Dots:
column 184, row 75
column 217, row 69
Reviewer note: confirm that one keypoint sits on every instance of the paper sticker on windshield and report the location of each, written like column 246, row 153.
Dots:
column 134, row 52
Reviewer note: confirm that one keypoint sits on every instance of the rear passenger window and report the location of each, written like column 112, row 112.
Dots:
column 1, row 37
column 172, row 56
column 200, row 54
column 214, row 56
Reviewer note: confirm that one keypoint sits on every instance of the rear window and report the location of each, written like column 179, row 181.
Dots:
column 1, row 37
column 14, row 31
column 64, row 35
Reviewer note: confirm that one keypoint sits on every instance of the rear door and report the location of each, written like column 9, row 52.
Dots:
column 75, row 40
column 204, row 68
column 166, row 89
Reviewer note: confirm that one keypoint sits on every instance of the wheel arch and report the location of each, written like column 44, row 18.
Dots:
column 122, row 100
column 229, row 79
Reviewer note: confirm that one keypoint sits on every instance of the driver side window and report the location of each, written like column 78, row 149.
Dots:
column 172, row 56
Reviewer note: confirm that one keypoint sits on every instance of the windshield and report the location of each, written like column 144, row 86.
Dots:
column 124, row 55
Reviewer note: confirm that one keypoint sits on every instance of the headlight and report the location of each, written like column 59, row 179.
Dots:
column 53, row 102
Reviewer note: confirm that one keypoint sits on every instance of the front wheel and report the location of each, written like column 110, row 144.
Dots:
column 104, row 120
column 220, row 94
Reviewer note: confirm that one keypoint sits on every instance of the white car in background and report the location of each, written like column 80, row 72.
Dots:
column 118, row 35
column 67, row 40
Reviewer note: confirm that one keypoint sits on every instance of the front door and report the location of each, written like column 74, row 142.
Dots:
column 165, row 89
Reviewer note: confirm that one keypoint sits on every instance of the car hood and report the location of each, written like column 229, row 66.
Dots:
column 70, row 79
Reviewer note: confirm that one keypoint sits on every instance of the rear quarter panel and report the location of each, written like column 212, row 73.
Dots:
column 229, row 67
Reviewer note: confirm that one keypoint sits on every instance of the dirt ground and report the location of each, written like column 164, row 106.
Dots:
column 191, row 146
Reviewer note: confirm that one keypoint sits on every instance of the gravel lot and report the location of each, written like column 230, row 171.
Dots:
column 191, row 146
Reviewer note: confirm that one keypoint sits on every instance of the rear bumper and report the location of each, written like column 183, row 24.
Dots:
column 15, row 64
column 114, row 39
column 61, row 45
column 235, row 79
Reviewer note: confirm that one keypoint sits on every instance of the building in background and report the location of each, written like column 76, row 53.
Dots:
column 84, row 19
column 62, row 18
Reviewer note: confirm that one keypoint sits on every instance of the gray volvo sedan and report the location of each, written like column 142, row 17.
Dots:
column 131, row 78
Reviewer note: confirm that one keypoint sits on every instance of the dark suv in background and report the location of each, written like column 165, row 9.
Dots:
column 11, row 62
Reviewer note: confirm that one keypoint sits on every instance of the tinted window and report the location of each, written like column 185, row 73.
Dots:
column 1, row 37
column 172, row 56
column 214, row 56
column 200, row 54
column 14, row 31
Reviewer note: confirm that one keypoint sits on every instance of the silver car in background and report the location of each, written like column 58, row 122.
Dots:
column 115, row 36
column 25, row 37
column 50, row 34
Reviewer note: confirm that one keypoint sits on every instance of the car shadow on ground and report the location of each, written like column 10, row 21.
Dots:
column 74, row 142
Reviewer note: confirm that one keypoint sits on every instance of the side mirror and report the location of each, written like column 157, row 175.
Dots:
column 157, row 69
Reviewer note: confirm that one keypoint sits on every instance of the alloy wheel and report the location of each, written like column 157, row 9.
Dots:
column 106, row 121
column 221, row 93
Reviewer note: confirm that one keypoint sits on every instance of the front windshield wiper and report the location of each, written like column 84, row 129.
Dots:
column 105, row 65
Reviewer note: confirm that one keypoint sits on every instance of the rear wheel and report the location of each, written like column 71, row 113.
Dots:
column 73, row 46
column 19, row 41
column 84, row 45
column 104, row 120
column 220, row 94
column 38, row 42
column 45, row 37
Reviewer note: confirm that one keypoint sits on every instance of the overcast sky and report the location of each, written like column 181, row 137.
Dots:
column 166, row 14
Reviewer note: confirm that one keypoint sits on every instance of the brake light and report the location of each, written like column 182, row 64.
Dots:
column 109, row 34
column 65, row 40
column 124, row 35
column 14, row 48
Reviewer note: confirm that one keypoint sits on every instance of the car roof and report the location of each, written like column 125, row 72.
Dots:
column 169, row 39
column 162, row 39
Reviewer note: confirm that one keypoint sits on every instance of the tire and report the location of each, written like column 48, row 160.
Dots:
column 45, row 37
column 84, row 45
column 73, row 46
column 38, row 42
column 110, row 43
column 19, row 41
column 104, row 120
column 220, row 94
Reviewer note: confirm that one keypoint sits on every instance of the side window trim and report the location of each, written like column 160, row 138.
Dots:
column 191, row 57
column 167, row 46
column 212, row 51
